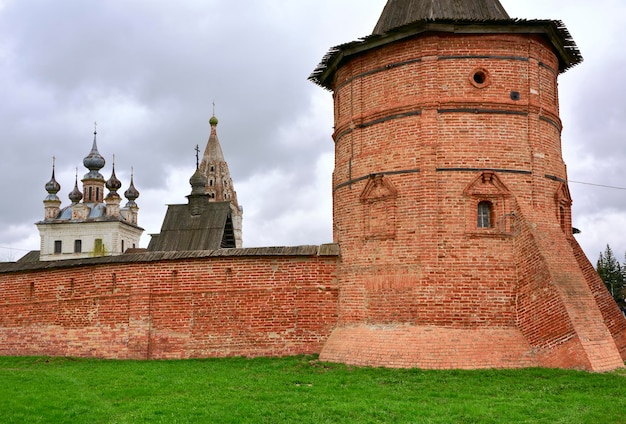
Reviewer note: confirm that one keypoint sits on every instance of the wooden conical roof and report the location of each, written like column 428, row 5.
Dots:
column 402, row 19
column 401, row 12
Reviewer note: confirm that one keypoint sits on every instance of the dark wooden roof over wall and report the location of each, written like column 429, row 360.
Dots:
column 324, row 250
column 181, row 230
column 401, row 12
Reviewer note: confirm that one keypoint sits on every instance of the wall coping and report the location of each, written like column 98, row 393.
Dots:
column 330, row 249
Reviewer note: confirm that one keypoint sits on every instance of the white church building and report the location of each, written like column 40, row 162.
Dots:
column 92, row 225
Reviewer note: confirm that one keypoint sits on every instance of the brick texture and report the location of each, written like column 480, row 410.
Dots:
column 249, row 306
column 427, row 129
column 439, row 123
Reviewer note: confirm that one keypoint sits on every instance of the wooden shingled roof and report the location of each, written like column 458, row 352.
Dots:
column 211, row 229
column 401, row 12
column 324, row 250
column 403, row 19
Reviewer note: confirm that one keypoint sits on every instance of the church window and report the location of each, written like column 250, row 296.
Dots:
column 122, row 246
column 57, row 246
column 212, row 168
column 97, row 194
column 485, row 211
column 90, row 193
column 211, row 183
column 98, row 247
column 78, row 246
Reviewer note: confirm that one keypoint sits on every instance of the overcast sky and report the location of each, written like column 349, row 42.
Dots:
column 148, row 72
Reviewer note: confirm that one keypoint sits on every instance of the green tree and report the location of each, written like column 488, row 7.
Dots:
column 612, row 273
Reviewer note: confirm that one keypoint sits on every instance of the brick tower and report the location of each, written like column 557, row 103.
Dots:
column 450, row 197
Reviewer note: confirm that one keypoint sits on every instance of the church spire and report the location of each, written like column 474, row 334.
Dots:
column 113, row 199
column 93, row 181
column 401, row 12
column 52, row 201
column 219, row 185
column 75, row 195
column 52, row 186
column 132, row 194
column 218, row 182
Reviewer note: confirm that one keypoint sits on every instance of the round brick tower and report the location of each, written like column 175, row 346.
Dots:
column 450, row 198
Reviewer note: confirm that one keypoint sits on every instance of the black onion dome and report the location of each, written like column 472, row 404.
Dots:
column 94, row 160
column 52, row 186
column 198, row 182
column 113, row 184
column 132, row 193
column 75, row 195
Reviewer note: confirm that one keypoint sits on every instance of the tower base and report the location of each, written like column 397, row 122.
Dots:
column 429, row 347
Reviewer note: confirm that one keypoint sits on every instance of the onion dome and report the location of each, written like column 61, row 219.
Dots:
column 131, row 193
column 52, row 186
column 113, row 184
column 198, row 182
column 213, row 121
column 94, row 161
column 75, row 195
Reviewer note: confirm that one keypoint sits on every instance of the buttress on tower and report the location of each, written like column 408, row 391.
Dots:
column 450, row 197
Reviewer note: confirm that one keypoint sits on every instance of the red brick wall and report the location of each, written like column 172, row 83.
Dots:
column 211, row 306
column 418, row 143
column 407, row 111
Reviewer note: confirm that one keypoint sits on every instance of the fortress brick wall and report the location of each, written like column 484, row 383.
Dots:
column 426, row 128
column 243, row 302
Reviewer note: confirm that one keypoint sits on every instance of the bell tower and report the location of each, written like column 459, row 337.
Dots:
column 450, row 200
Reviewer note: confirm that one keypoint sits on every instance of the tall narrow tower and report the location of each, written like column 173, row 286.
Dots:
column 450, row 197
column 219, row 184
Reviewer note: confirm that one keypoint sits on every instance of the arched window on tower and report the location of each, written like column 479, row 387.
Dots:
column 485, row 214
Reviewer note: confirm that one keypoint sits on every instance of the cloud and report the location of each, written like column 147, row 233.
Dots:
column 149, row 72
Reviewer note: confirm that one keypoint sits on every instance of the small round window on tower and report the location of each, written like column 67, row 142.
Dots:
column 479, row 78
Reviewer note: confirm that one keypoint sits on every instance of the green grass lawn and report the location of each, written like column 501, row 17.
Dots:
column 297, row 390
